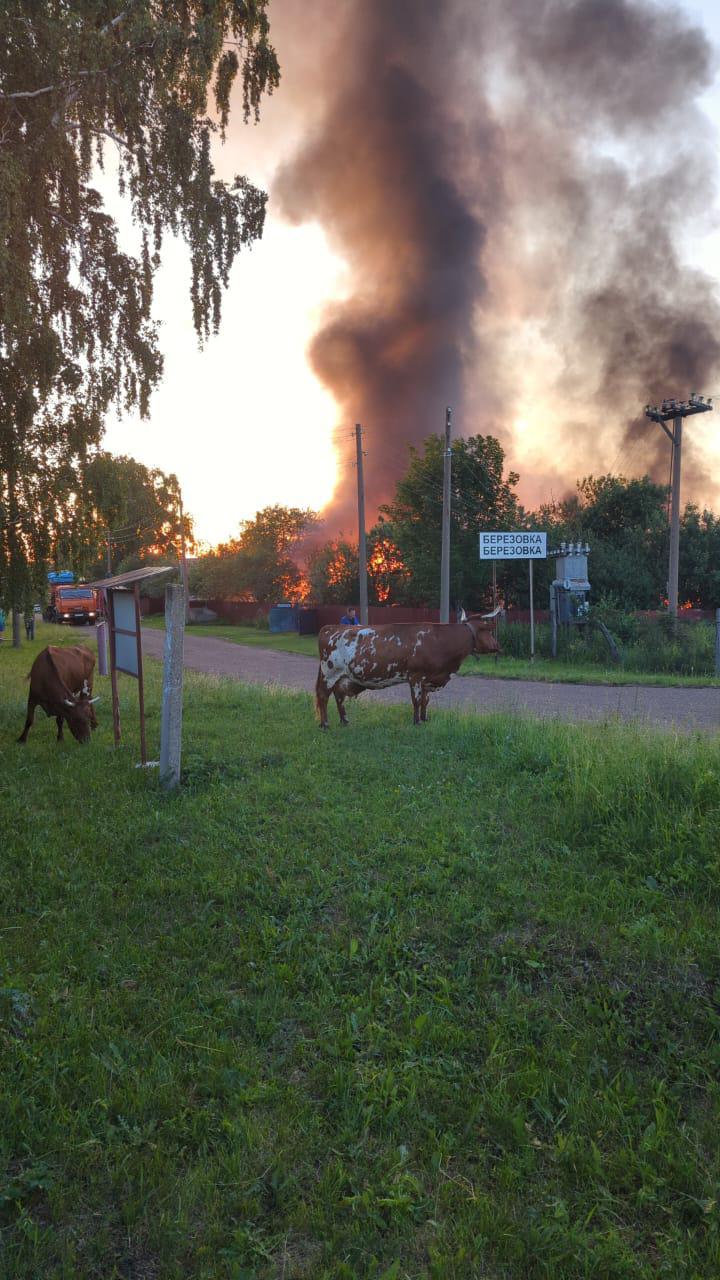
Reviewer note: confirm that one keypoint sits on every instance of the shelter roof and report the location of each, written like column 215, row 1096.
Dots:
column 133, row 576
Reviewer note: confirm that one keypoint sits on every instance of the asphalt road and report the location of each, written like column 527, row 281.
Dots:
column 683, row 709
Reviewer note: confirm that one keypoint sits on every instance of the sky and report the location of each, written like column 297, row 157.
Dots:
column 246, row 423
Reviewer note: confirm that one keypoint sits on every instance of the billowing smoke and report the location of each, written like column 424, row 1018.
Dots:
column 512, row 184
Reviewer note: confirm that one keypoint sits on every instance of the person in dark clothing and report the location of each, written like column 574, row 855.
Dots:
column 350, row 618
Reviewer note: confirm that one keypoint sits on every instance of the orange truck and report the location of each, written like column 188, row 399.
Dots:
column 72, row 604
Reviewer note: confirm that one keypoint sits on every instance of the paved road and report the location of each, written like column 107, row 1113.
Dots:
column 686, row 709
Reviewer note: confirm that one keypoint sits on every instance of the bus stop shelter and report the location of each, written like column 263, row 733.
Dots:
column 121, row 608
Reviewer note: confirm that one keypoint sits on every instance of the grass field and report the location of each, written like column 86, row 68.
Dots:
column 389, row 1002
column 502, row 668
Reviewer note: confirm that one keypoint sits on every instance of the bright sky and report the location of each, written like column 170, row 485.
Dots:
column 244, row 423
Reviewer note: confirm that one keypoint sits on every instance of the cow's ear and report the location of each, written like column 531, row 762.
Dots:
column 463, row 615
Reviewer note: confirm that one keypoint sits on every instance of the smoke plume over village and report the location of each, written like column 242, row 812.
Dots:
column 513, row 185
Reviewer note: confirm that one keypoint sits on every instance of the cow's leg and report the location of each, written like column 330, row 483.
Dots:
column 322, row 693
column 416, row 695
column 29, row 718
column 59, row 723
column 424, row 697
column 340, row 700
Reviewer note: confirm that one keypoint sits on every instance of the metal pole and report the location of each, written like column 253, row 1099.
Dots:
column 675, row 519
column 494, row 589
column 532, row 615
column 717, row 642
column 362, row 544
column 553, row 622
column 171, row 718
column 445, row 547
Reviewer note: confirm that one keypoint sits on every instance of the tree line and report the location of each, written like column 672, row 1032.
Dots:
column 281, row 553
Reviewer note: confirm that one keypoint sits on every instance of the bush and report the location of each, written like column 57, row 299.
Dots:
column 649, row 645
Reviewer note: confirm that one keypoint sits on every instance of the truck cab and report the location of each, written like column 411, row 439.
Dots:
column 72, row 604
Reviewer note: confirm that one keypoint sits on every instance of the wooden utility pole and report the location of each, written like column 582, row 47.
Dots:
column 183, row 558
column 362, row 544
column 675, row 411
column 674, row 566
column 445, row 548
column 109, row 553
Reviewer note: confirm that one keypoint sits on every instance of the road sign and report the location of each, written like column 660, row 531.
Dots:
column 521, row 545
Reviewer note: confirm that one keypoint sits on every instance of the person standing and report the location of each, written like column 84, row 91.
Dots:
column 350, row 618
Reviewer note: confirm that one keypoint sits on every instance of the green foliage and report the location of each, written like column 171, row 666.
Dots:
column 261, row 563
column 625, row 523
column 382, row 1002
column 138, row 506
column 482, row 498
column 76, row 327
column 647, row 645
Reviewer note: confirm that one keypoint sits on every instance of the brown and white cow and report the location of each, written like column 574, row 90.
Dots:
column 61, row 680
column 353, row 659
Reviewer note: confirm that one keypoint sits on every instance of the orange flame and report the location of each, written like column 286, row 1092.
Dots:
column 385, row 566
column 295, row 589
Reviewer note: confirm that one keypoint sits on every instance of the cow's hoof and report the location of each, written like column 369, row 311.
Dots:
column 344, row 723
column 323, row 728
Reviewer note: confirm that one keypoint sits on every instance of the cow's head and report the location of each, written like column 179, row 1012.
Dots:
column 483, row 634
column 80, row 715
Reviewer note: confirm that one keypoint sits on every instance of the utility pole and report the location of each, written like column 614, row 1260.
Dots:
column 183, row 561
column 109, row 553
column 362, row 544
column 675, row 411
column 445, row 550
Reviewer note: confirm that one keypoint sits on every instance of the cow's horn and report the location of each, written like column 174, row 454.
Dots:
column 68, row 702
column 95, row 699
column 494, row 613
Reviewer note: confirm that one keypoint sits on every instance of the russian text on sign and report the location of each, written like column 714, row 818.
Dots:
column 513, row 545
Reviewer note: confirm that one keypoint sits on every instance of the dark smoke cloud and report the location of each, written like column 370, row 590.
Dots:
column 505, row 179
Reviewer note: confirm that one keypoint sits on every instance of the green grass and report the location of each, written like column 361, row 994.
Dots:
column 433, row 1002
column 288, row 643
column 503, row 668
column 557, row 671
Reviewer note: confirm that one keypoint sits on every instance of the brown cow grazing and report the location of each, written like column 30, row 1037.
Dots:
column 353, row 659
column 61, row 683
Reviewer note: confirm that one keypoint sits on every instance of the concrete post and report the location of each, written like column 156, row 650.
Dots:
column 717, row 642
column 171, row 717
column 102, row 647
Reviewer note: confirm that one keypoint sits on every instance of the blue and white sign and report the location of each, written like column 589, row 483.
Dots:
column 522, row 545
